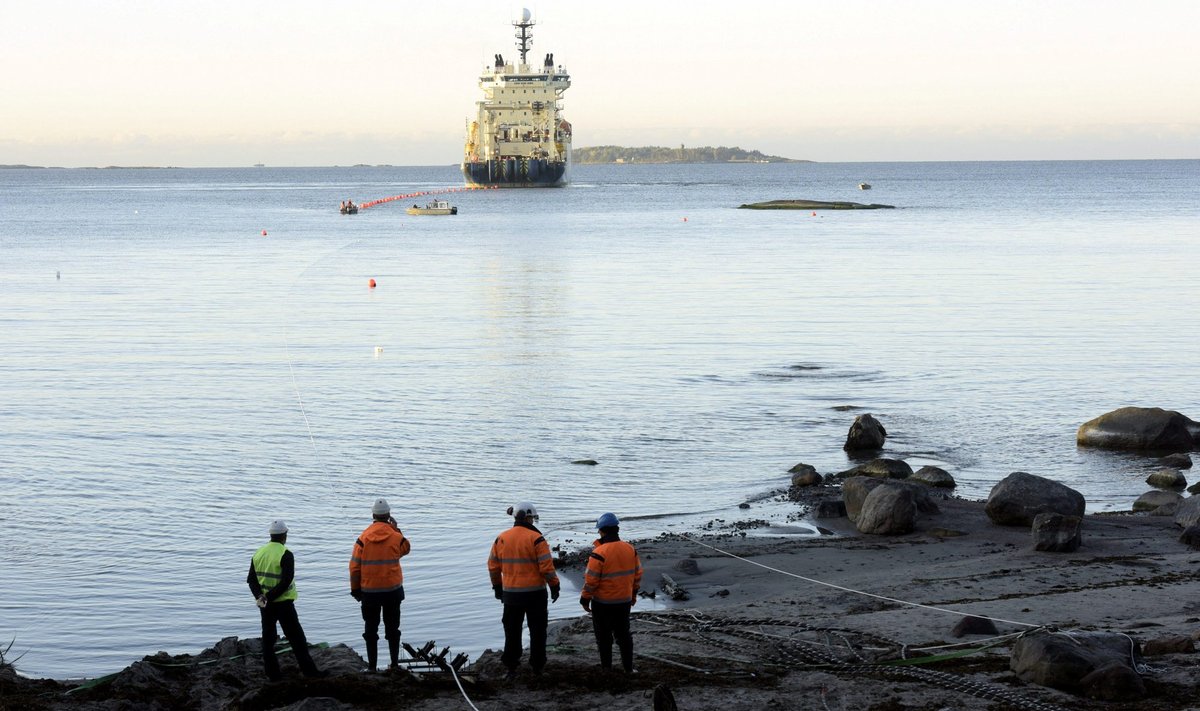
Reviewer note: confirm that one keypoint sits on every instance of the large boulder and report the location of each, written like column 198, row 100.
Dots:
column 865, row 434
column 1019, row 497
column 1188, row 513
column 856, row 489
column 1070, row 662
column 933, row 476
column 882, row 468
column 1138, row 428
column 888, row 510
column 1056, row 533
column 1154, row 499
column 805, row 475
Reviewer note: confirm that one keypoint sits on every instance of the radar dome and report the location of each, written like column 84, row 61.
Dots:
column 525, row 14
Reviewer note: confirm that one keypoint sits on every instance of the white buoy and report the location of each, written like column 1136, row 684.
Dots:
column 378, row 351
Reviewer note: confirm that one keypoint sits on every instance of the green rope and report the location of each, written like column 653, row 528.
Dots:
column 107, row 678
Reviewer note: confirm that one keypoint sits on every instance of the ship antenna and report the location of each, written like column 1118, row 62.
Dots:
column 524, row 36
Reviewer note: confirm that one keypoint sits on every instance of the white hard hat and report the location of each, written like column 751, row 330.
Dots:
column 277, row 527
column 381, row 507
column 524, row 509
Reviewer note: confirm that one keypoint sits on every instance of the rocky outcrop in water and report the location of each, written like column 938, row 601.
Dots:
column 865, row 434
column 1139, row 429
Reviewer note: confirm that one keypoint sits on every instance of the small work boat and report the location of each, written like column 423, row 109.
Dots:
column 349, row 208
column 434, row 207
column 864, row 186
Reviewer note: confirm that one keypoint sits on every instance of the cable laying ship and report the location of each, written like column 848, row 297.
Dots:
column 518, row 139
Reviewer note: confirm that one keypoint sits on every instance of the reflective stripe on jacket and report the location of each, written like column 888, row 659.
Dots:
column 375, row 561
column 520, row 561
column 614, row 573
column 266, row 562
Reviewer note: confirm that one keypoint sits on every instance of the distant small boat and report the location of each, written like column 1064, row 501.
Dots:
column 348, row 208
column 434, row 207
column 864, row 186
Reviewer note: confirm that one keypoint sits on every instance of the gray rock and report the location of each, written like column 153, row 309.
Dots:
column 1188, row 513
column 1114, row 682
column 1065, row 662
column 831, row 508
column 1166, row 510
column 866, row 433
column 933, row 476
column 1138, row 428
column 888, row 510
column 1167, row 479
column 884, row 468
column 1191, row 537
column 802, row 467
column 974, row 625
column 1178, row 460
column 1020, row 496
column 856, row 489
column 1176, row 644
column 1152, row 500
column 586, row 462
column 687, row 566
column 1056, row 533
column 807, row 478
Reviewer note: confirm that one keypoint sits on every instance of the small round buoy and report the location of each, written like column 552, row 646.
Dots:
column 814, row 214
column 371, row 283
column 264, row 233
column 378, row 351
column 685, row 219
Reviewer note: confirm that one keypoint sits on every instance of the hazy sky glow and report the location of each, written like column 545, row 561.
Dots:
column 207, row 83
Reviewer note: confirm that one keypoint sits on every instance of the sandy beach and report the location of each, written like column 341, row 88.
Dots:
column 792, row 622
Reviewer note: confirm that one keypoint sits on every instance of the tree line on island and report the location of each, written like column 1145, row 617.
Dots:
column 663, row 154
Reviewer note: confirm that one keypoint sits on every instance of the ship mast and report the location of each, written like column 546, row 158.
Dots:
column 524, row 36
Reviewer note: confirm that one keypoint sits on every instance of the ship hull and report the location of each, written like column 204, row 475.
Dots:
column 514, row 173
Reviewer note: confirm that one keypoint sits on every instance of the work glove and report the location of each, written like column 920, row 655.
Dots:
column 553, row 593
column 261, row 601
column 585, row 603
column 356, row 594
column 499, row 590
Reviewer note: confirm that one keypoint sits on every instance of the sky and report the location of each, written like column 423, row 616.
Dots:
column 306, row 82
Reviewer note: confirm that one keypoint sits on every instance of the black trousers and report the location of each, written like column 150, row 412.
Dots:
column 611, row 622
column 518, row 608
column 284, row 613
column 386, row 604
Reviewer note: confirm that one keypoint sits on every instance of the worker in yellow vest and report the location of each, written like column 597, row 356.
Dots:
column 272, row 582
column 377, row 581
column 521, row 569
column 610, row 589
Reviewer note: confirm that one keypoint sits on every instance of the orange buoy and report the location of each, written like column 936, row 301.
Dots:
column 264, row 233
column 371, row 283
column 685, row 219
column 814, row 214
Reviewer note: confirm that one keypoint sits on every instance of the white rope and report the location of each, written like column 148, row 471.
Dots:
column 460, row 687
column 858, row 592
column 296, row 387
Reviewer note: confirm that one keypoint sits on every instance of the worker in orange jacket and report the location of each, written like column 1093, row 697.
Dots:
column 521, row 568
column 610, row 589
column 377, row 581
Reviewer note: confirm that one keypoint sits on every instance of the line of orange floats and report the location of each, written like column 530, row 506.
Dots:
column 423, row 193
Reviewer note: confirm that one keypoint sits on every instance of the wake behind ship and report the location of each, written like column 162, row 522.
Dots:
column 518, row 138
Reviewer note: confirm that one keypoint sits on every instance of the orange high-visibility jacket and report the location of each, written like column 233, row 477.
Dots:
column 375, row 562
column 520, row 561
column 614, row 573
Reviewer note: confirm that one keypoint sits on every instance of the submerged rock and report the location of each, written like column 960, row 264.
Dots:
column 1139, row 429
column 866, row 433
column 1167, row 479
column 812, row 205
column 1179, row 460
column 934, row 476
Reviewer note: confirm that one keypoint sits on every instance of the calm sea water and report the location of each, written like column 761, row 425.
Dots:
column 173, row 379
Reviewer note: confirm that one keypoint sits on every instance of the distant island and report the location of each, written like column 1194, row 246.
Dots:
column 662, row 154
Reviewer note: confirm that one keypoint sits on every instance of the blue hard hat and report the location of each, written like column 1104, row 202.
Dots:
column 607, row 520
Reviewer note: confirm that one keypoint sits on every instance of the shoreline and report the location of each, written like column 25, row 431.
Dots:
column 759, row 630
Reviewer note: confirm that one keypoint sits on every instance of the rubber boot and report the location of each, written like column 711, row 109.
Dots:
column 394, row 650
column 372, row 654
